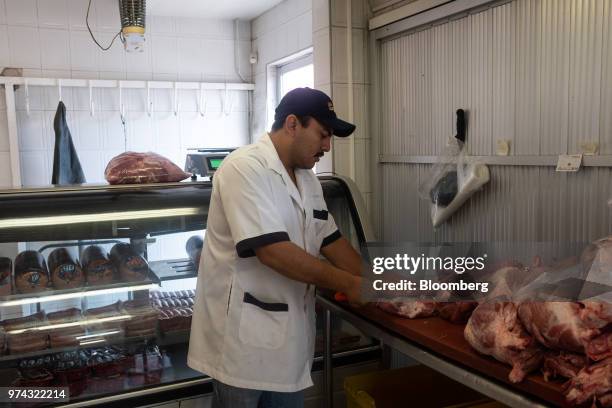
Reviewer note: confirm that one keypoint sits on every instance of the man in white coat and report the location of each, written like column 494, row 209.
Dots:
column 253, row 327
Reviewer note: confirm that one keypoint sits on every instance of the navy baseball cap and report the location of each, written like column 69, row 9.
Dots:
column 314, row 103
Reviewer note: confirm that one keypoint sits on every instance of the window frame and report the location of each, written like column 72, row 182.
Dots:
column 297, row 63
column 286, row 64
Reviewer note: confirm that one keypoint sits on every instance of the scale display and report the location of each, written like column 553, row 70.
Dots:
column 214, row 163
column 204, row 162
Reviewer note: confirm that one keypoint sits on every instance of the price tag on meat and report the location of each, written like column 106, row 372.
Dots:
column 569, row 162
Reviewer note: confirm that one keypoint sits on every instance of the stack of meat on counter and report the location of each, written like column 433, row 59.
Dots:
column 33, row 274
column 567, row 341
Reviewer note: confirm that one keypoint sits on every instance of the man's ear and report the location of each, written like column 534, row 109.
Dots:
column 291, row 123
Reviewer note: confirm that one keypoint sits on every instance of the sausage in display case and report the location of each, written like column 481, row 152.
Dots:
column 131, row 266
column 99, row 269
column 6, row 269
column 31, row 274
column 65, row 272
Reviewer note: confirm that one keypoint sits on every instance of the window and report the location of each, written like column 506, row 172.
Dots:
column 295, row 74
column 292, row 72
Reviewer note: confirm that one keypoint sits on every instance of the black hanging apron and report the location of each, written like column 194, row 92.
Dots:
column 66, row 166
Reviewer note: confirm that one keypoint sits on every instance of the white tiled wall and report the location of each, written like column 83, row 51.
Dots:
column 50, row 39
column 278, row 33
column 351, row 156
column 288, row 28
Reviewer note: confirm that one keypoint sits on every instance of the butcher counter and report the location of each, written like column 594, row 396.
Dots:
column 433, row 342
column 440, row 345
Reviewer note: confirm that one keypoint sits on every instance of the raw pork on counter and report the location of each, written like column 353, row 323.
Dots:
column 562, row 364
column 578, row 327
column 592, row 383
column 410, row 309
column 456, row 312
column 494, row 329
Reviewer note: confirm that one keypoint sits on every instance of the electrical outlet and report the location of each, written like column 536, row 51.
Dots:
column 502, row 147
column 589, row 147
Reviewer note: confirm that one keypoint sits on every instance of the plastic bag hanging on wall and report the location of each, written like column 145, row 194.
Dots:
column 66, row 165
column 452, row 180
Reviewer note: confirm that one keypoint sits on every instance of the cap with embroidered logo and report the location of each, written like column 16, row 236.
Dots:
column 314, row 103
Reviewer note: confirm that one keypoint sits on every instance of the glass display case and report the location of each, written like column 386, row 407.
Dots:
column 97, row 285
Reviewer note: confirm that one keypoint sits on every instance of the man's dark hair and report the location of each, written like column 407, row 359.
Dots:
column 278, row 124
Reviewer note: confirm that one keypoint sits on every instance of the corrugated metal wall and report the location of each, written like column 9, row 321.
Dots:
column 535, row 72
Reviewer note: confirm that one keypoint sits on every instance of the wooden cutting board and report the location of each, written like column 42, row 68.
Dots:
column 446, row 339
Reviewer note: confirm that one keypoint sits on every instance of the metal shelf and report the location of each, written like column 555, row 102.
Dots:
column 174, row 269
column 538, row 161
column 7, row 360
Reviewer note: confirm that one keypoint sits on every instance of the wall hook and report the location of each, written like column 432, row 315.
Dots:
column 91, row 99
column 176, row 101
column 59, row 89
column 149, row 102
column 121, row 105
column 202, row 102
column 27, row 96
column 227, row 101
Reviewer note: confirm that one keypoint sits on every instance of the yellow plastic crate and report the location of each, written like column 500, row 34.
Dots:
column 416, row 386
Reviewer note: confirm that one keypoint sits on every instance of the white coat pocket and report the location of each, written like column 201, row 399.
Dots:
column 263, row 324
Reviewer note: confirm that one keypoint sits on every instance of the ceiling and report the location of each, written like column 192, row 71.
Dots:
column 213, row 9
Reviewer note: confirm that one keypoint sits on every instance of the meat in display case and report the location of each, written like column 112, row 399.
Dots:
column 97, row 286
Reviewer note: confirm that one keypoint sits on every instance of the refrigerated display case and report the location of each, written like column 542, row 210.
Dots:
column 97, row 285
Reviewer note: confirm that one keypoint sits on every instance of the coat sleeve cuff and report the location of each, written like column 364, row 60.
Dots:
column 331, row 238
column 246, row 248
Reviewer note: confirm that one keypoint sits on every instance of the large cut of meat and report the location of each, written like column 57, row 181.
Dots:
column 456, row 312
column 570, row 326
column 495, row 330
column 409, row 309
column 600, row 347
column 562, row 364
column 137, row 168
column 592, row 383
column 505, row 279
